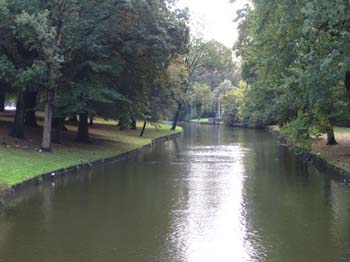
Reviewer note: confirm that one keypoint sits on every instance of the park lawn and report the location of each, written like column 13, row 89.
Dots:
column 201, row 120
column 275, row 128
column 342, row 130
column 21, row 160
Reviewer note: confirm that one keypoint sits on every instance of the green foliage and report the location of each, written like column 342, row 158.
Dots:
column 210, row 62
column 105, row 58
column 240, row 96
column 207, row 63
column 224, row 87
column 295, row 54
column 300, row 132
column 7, row 71
column 229, row 108
column 201, row 98
column 39, row 36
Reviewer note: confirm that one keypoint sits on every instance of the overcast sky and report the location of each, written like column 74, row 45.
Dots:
column 217, row 18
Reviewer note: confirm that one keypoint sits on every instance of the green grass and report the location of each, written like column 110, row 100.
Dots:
column 18, row 165
column 275, row 128
column 202, row 120
column 342, row 130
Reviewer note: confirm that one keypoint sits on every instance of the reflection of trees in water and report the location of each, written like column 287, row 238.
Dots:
column 288, row 205
column 114, row 212
column 340, row 227
column 146, row 208
column 6, row 230
column 210, row 199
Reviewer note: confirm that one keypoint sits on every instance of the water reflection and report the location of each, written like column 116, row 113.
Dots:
column 210, row 225
column 217, row 194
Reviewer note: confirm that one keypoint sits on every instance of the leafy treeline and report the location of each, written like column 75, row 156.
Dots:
column 207, row 65
column 89, row 58
column 295, row 57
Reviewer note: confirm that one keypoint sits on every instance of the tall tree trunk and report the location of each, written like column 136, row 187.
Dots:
column 46, row 141
column 18, row 125
column 2, row 102
column 83, row 128
column 179, row 106
column 58, row 126
column 133, row 124
column 331, row 137
column 30, row 104
column 199, row 111
column 124, row 123
column 143, row 128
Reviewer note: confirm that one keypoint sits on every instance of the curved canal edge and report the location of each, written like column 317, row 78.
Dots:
column 320, row 163
column 9, row 193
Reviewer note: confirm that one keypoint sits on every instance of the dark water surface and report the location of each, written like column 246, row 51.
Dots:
column 216, row 194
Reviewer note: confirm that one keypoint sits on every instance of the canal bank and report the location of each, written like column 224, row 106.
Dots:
column 121, row 145
column 215, row 194
column 208, row 121
column 315, row 156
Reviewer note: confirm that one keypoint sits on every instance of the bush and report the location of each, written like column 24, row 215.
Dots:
column 300, row 132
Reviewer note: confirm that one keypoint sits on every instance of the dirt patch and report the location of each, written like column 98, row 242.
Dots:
column 338, row 154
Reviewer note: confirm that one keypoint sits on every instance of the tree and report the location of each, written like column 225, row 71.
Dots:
column 2, row 102
column 37, row 34
column 229, row 107
column 89, row 58
column 17, row 65
column 294, row 57
column 207, row 62
column 201, row 96
column 176, row 77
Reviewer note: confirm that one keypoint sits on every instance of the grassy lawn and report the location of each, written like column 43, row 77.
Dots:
column 342, row 130
column 275, row 128
column 202, row 120
column 21, row 160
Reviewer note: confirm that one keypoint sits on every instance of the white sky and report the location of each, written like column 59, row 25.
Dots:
column 217, row 17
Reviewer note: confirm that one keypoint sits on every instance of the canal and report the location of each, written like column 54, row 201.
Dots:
column 216, row 194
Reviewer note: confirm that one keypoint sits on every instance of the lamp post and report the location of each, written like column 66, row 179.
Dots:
column 191, row 108
column 219, row 108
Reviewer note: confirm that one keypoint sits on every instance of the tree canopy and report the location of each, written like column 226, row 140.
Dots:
column 295, row 55
column 88, row 58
